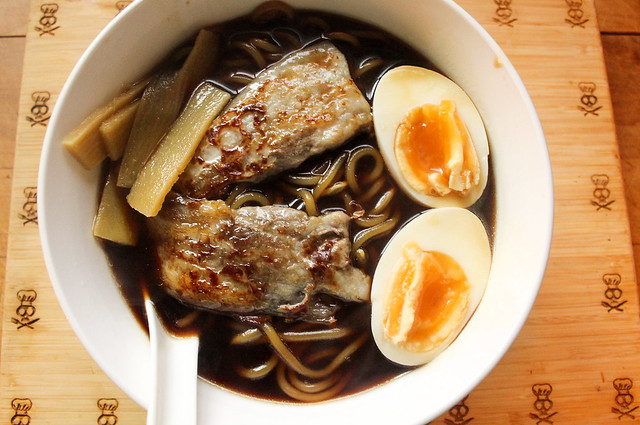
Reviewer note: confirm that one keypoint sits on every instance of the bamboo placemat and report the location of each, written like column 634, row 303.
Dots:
column 576, row 359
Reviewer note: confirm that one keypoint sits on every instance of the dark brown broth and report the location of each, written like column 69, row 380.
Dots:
column 136, row 270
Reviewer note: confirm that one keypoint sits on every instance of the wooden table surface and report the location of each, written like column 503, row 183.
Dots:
column 619, row 22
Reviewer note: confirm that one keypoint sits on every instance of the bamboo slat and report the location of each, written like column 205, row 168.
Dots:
column 577, row 357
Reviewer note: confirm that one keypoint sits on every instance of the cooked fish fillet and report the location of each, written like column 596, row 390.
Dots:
column 302, row 105
column 253, row 260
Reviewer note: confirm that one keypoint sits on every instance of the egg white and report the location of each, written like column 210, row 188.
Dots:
column 406, row 87
column 454, row 231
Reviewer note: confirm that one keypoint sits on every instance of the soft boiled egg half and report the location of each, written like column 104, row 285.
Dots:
column 431, row 137
column 428, row 282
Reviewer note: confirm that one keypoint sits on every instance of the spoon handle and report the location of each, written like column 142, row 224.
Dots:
column 174, row 365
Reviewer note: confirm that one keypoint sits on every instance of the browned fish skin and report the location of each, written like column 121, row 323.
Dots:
column 303, row 105
column 255, row 260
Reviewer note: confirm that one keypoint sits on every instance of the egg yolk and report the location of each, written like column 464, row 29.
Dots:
column 425, row 300
column 435, row 152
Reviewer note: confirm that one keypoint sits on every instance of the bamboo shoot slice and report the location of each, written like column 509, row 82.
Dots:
column 200, row 60
column 159, row 106
column 115, row 130
column 88, row 149
column 161, row 103
column 176, row 150
column 115, row 220
column 84, row 142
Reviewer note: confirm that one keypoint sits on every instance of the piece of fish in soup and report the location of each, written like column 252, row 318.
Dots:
column 303, row 105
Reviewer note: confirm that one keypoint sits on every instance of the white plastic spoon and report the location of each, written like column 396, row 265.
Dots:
column 174, row 363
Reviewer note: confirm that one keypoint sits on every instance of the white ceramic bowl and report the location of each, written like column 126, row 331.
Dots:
column 137, row 39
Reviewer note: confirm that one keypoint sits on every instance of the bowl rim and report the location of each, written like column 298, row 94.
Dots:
column 453, row 393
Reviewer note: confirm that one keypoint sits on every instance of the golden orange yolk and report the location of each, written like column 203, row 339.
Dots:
column 426, row 299
column 435, row 152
